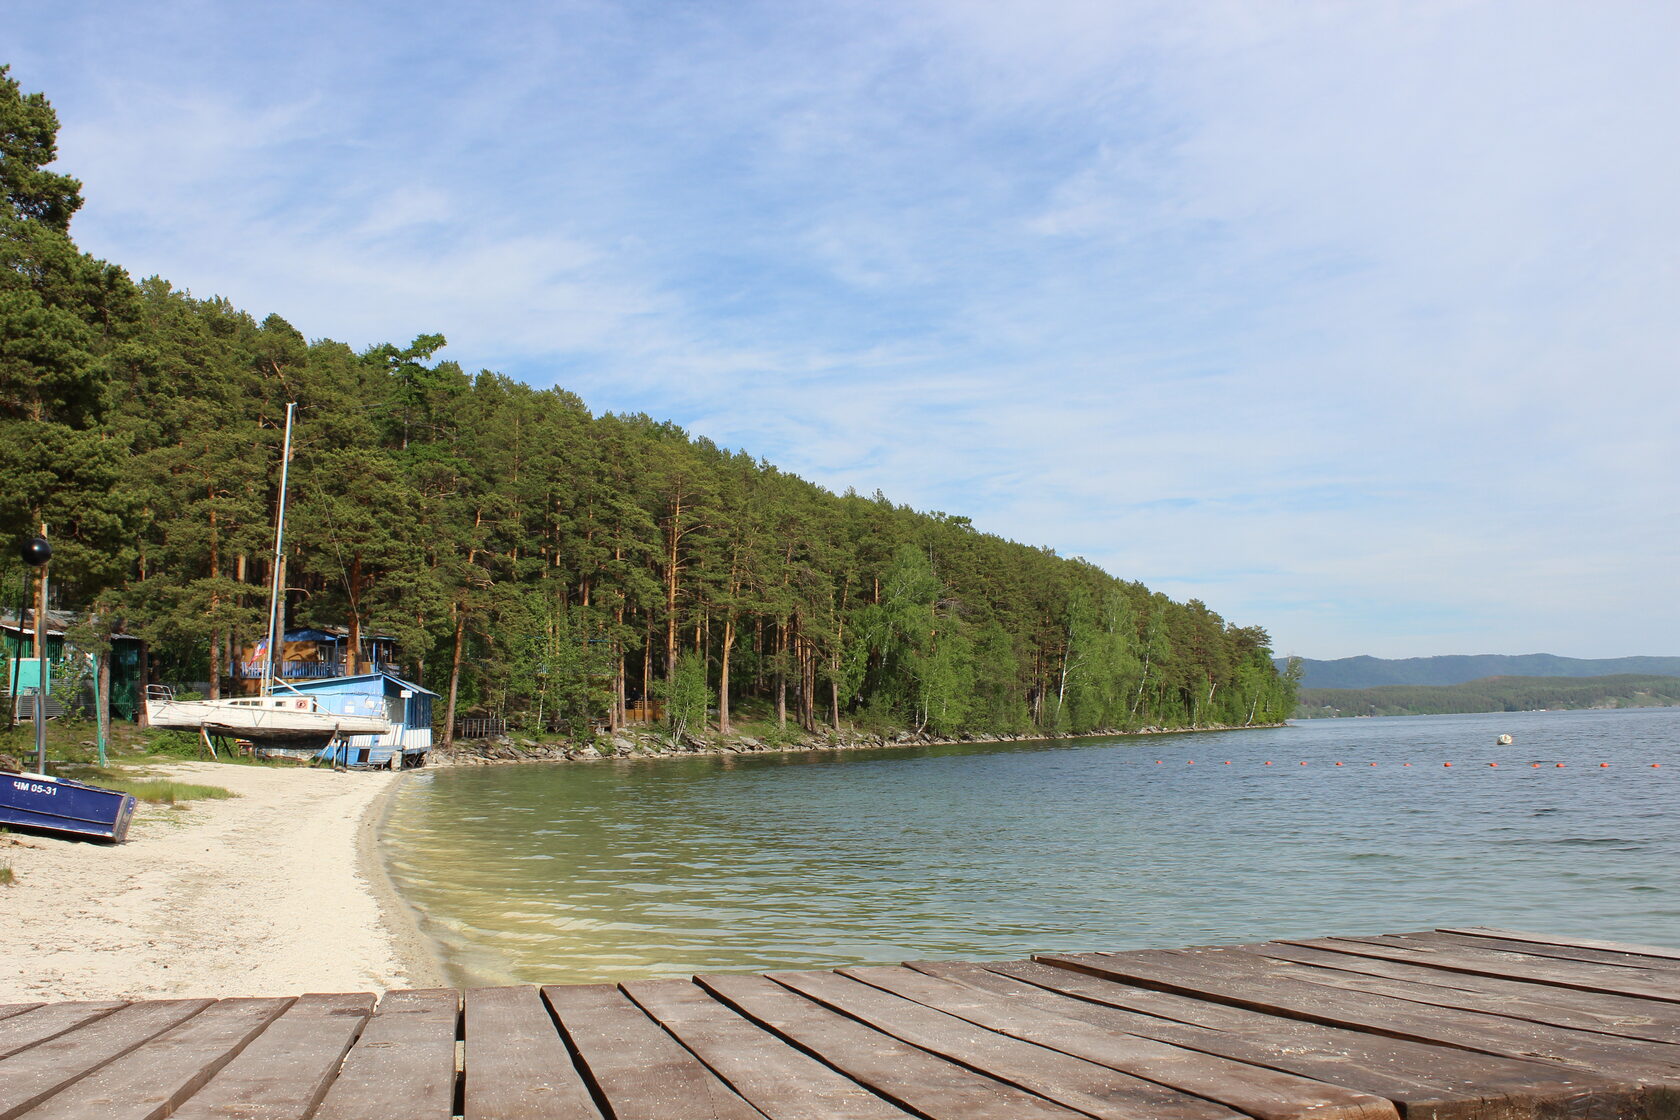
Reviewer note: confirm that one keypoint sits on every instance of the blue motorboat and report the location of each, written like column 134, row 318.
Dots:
column 40, row 801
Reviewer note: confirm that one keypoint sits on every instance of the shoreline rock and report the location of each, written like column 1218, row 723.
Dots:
column 638, row 743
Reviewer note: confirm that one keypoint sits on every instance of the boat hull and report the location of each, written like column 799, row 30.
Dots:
column 48, row 804
column 240, row 720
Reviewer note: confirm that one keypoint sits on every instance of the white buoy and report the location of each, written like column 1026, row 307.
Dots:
column 1506, row 740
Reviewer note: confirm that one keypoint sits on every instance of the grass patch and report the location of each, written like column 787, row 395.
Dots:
column 164, row 792
column 6, row 876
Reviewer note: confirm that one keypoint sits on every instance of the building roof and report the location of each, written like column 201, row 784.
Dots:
column 57, row 623
column 327, row 632
column 328, row 682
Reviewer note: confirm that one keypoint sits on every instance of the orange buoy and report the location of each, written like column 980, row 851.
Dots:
column 1446, row 764
column 1604, row 766
column 1338, row 764
column 1493, row 764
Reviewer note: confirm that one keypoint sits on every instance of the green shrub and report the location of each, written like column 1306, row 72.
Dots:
column 160, row 791
column 686, row 697
column 178, row 744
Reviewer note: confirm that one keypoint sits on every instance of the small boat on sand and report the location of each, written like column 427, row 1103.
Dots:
column 49, row 804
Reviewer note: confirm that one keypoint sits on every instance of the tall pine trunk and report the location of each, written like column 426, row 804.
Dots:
column 454, row 675
column 353, row 655
column 671, row 574
column 615, row 720
column 218, row 636
column 807, row 685
column 104, row 713
column 779, row 684
column 723, row 674
column 141, row 717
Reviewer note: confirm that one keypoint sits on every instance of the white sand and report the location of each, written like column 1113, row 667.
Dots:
column 274, row 892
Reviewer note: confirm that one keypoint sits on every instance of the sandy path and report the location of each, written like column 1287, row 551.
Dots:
column 274, row 892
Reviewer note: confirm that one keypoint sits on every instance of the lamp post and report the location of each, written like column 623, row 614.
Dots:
column 36, row 552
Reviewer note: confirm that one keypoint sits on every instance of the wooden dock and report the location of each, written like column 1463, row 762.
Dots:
column 1469, row 1023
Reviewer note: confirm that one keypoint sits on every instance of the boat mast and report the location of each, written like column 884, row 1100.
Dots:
column 279, row 558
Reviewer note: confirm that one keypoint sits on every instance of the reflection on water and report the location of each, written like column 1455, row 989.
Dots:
column 635, row 868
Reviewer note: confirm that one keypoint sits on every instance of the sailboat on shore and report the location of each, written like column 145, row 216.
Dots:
column 292, row 718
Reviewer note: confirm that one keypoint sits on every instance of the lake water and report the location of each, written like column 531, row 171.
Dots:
column 657, row 867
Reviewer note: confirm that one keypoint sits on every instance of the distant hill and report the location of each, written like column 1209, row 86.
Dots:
column 1374, row 672
column 1495, row 694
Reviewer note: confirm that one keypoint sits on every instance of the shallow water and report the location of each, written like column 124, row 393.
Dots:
column 657, row 867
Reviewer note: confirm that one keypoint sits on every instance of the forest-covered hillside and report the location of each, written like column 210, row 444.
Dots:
column 1496, row 694
column 532, row 559
column 1375, row 672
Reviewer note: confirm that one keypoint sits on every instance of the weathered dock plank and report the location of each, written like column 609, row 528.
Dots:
column 780, row 1081
column 1436, row 1081
column 1244, row 979
column 405, row 1057
column 283, row 1074
column 149, row 1081
column 1567, row 1007
column 635, row 1064
column 1263, row 1093
column 517, row 1066
column 19, row 1032
column 1563, row 974
column 924, row 1083
column 1574, row 942
column 1087, row 1086
column 1524, row 950
column 33, row 1075
column 1471, row 1023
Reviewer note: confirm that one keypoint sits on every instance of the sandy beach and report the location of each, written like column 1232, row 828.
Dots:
column 277, row 891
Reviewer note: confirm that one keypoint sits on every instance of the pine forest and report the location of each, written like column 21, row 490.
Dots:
column 532, row 560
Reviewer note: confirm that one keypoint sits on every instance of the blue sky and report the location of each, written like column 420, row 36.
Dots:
column 1354, row 320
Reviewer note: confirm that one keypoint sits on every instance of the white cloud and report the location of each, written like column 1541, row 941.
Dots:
column 1352, row 320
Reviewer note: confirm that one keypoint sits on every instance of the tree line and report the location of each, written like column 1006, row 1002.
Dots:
column 532, row 560
column 1494, row 694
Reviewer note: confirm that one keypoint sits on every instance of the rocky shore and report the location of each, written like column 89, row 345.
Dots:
column 643, row 742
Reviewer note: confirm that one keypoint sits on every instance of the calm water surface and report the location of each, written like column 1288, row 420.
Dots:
column 617, row 870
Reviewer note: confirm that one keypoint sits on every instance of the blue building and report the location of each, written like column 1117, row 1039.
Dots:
column 406, row 705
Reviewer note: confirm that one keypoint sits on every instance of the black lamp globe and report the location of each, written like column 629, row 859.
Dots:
column 35, row 551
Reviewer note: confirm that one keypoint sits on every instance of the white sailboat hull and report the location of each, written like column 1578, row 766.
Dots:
column 267, row 717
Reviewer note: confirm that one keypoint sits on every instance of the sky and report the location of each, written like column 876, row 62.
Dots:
column 1356, row 321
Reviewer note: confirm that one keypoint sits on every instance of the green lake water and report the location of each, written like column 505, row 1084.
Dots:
column 616, row 870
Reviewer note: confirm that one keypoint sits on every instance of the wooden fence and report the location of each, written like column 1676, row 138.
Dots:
column 486, row 727
column 644, row 711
